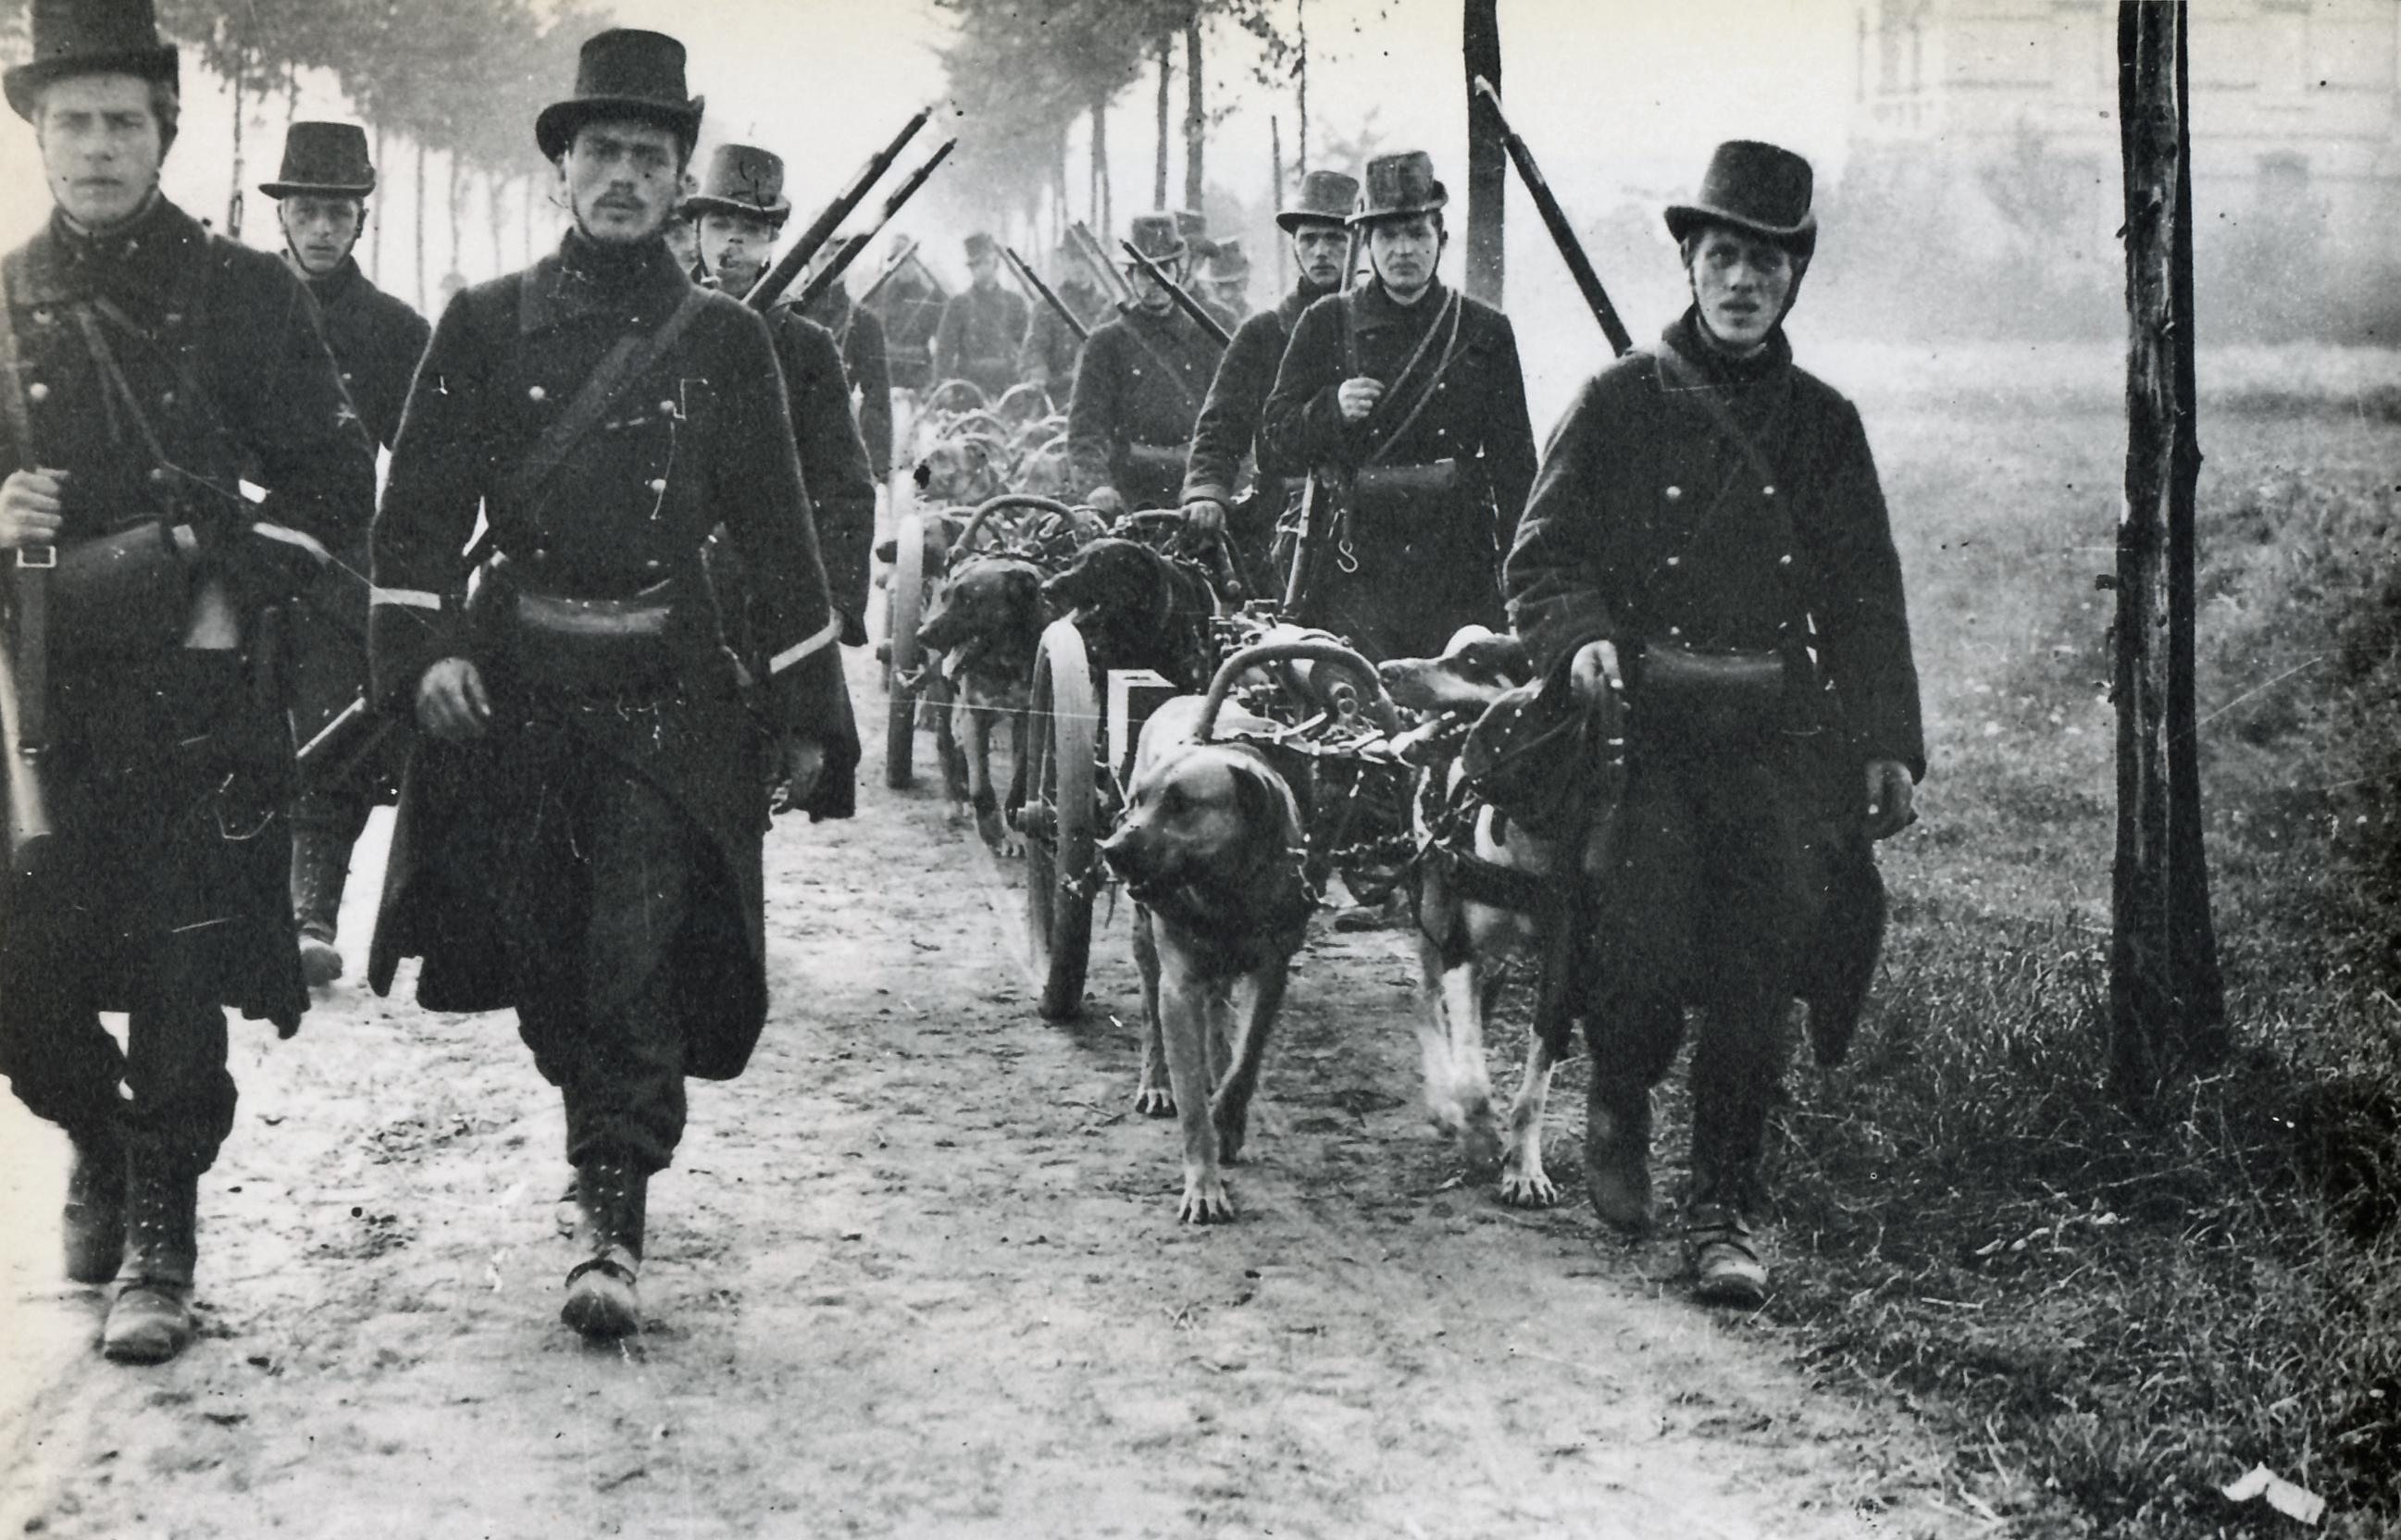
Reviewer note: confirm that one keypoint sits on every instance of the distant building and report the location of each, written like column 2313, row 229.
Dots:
column 1997, row 119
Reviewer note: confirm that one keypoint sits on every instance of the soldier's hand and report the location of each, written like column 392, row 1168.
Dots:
column 29, row 508
column 798, row 765
column 1593, row 669
column 1204, row 516
column 1358, row 397
column 450, row 701
column 1892, row 799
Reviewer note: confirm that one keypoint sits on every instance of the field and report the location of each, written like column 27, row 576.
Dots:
column 2117, row 1314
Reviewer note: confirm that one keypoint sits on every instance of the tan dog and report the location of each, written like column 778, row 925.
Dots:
column 987, row 622
column 1461, row 939
column 1209, row 848
column 967, row 470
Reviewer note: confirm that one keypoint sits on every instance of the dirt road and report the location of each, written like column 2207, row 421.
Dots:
column 917, row 1273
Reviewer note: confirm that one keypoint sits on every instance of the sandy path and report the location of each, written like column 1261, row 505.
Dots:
column 917, row 1273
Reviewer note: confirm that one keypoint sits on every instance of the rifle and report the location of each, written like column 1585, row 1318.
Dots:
column 24, row 681
column 1034, row 285
column 892, row 265
column 1554, row 219
column 28, row 819
column 777, row 279
column 1087, row 246
column 1183, row 301
column 832, row 270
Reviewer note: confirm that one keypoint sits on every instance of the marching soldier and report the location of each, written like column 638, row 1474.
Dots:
column 738, row 210
column 1406, row 399
column 321, row 195
column 983, row 328
column 1139, row 386
column 859, row 333
column 1048, row 357
column 150, row 368
column 581, row 834
column 1707, row 530
column 1228, row 426
column 1228, row 278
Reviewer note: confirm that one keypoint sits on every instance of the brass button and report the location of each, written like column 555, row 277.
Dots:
column 1767, row 491
column 536, row 393
column 157, row 473
column 1675, row 630
column 1784, row 560
column 167, row 398
column 667, row 407
column 1675, row 494
column 1675, row 561
column 37, row 392
column 659, row 484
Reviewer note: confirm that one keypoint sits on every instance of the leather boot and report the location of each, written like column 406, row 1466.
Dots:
column 601, row 1298
column 321, row 867
column 93, row 1221
column 150, row 1321
column 1722, row 1244
column 1617, row 1150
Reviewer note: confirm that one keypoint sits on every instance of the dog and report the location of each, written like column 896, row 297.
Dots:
column 1462, row 938
column 987, row 622
column 1209, row 848
column 967, row 469
column 1137, row 608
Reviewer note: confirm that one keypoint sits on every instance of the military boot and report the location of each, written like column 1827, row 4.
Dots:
column 150, row 1321
column 321, row 867
column 1617, row 1150
column 601, row 1298
column 93, row 1220
column 1722, row 1244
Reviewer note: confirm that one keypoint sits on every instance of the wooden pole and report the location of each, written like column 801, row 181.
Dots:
column 2167, row 1005
column 1488, row 168
column 1195, row 119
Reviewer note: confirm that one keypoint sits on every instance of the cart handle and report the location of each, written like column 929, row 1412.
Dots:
column 1379, row 707
column 1006, row 500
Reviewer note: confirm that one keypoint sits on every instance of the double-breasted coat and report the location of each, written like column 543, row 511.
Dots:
column 1399, row 576
column 701, row 438
column 1139, row 386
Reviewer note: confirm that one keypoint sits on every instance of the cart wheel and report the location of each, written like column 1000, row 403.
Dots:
column 907, row 596
column 1062, row 807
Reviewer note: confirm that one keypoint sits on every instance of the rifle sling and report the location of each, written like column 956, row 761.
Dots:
column 1174, row 376
column 1354, row 366
column 27, row 649
column 628, row 358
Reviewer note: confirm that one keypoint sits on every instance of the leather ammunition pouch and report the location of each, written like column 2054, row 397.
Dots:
column 593, row 646
column 1713, row 696
column 1375, row 488
column 126, row 594
column 1151, row 475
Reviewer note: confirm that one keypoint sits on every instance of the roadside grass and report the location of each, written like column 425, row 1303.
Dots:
column 2118, row 1312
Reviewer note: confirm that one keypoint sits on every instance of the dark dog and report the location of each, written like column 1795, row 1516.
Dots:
column 1209, row 848
column 1137, row 608
column 987, row 621
column 1461, row 941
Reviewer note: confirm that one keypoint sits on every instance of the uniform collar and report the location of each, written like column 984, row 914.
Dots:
column 66, row 262
column 1376, row 307
column 1304, row 294
column 334, row 287
column 1683, row 334
column 638, row 285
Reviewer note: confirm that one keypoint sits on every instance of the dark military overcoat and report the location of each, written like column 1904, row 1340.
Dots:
column 833, row 458
column 224, row 363
column 978, row 339
column 703, row 437
column 1139, row 386
column 1401, row 579
column 859, row 333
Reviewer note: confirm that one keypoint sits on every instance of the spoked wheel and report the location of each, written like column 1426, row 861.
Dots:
column 1058, row 819
column 908, row 597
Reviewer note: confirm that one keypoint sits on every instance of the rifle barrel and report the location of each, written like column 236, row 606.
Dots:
column 892, row 265
column 1183, row 301
column 772, row 285
column 825, row 277
column 1554, row 219
column 1087, row 246
column 1033, row 282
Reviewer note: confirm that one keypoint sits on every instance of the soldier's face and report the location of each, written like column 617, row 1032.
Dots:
column 622, row 179
column 1405, row 252
column 101, row 146
column 320, row 231
column 1740, row 283
column 983, row 271
column 734, row 247
column 1319, row 249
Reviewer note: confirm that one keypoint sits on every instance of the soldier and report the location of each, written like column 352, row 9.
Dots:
column 321, row 196
column 1406, row 398
column 859, row 333
column 911, row 306
column 1228, row 425
column 1048, row 357
column 738, row 209
column 1139, row 386
column 1227, row 279
column 983, row 328
column 581, row 834
column 150, row 369
column 1707, row 530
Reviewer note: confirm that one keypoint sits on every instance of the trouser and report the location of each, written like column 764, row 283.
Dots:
column 1715, row 880
column 326, row 824
column 161, row 898
column 609, row 893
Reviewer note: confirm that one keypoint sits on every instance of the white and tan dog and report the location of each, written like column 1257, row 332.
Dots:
column 1462, row 938
column 1209, row 846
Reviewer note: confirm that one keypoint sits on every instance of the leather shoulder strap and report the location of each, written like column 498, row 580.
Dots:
column 16, row 418
column 625, row 361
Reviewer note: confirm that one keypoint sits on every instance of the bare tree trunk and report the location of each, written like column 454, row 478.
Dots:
column 1275, row 154
column 2167, row 1005
column 1159, row 167
column 233, row 199
column 1196, row 118
column 291, row 99
column 492, row 218
column 532, row 191
column 1487, row 169
column 1300, row 79
column 1104, row 204
column 456, row 197
column 419, row 231
column 374, row 216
